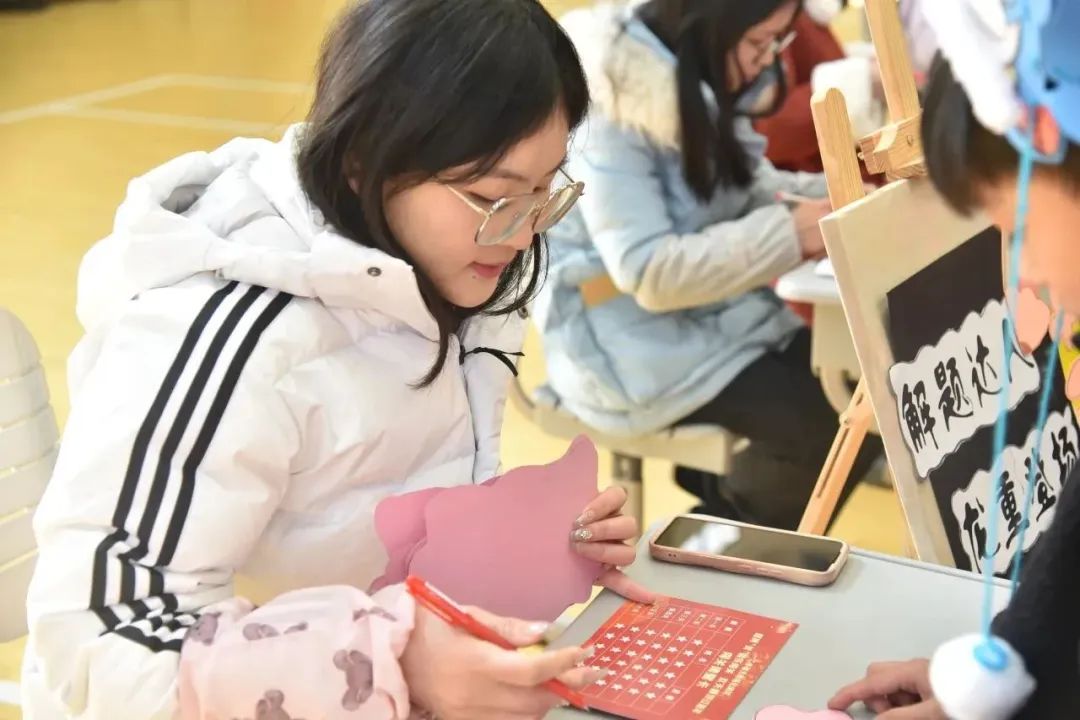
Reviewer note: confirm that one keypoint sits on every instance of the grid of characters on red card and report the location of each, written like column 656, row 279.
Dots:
column 681, row 659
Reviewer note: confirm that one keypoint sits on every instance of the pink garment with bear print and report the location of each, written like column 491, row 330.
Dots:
column 328, row 653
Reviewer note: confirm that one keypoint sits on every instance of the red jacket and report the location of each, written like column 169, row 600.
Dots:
column 792, row 141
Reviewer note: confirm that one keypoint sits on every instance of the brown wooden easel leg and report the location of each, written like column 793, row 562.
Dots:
column 854, row 424
column 845, row 187
column 895, row 150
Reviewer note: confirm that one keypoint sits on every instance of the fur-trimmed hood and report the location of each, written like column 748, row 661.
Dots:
column 631, row 73
column 691, row 269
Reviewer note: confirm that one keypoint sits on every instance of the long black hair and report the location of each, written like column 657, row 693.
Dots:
column 962, row 156
column 702, row 34
column 408, row 89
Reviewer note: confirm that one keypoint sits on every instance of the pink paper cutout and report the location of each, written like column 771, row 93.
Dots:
column 399, row 519
column 1032, row 320
column 399, row 523
column 783, row 712
column 505, row 545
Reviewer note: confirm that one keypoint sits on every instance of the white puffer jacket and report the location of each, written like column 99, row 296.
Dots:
column 242, row 399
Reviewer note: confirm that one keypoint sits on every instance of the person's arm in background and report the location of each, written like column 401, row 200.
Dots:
column 769, row 183
column 626, row 216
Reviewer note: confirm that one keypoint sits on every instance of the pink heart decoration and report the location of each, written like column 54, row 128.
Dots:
column 1032, row 320
column 783, row 712
column 504, row 545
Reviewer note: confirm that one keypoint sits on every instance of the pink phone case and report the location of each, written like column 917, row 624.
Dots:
column 799, row 576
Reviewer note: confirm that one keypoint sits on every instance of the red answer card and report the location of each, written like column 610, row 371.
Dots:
column 679, row 659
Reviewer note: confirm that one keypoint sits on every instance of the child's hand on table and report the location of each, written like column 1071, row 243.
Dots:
column 807, row 214
column 894, row 690
column 455, row 676
column 605, row 535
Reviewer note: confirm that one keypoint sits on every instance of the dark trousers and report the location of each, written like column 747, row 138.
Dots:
column 778, row 404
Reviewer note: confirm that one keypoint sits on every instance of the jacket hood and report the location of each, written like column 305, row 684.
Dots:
column 239, row 211
column 631, row 73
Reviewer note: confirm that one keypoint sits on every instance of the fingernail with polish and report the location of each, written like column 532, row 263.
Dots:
column 585, row 519
column 539, row 628
column 582, row 535
column 586, row 654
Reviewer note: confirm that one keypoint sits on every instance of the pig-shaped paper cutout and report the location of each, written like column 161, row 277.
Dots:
column 503, row 546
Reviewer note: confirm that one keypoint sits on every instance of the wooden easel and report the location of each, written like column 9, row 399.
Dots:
column 895, row 151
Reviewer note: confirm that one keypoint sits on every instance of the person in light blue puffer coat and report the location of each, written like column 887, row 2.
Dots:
column 658, row 310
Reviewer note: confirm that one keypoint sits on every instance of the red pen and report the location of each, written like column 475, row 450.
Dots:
column 452, row 614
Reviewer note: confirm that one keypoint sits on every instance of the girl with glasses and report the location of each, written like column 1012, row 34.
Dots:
column 815, row 59
column 658, row 310
column 279, row 335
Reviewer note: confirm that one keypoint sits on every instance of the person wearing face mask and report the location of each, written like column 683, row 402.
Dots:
column 658, row 310
column 815, row 60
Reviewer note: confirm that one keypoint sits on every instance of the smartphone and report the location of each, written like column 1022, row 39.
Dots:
column 751, row 550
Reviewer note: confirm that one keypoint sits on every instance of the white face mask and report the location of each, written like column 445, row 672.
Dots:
column 823, row 11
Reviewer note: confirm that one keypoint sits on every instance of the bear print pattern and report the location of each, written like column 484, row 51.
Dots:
column 271, row 707
column 258, row 631
column 359, row 677
column 205, row 629
column 375, row 612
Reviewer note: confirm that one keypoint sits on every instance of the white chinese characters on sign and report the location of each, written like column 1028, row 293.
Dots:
column 953, row 388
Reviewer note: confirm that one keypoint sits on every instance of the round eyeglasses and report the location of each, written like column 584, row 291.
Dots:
column 508, row 215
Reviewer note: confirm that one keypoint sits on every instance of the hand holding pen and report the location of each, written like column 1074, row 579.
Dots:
column 463, row 664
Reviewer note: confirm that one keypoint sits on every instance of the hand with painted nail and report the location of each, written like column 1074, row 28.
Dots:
column 605, row 535
column 455, row 676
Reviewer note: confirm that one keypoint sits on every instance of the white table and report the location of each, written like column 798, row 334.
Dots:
column 832, row 354
column 881, row 608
